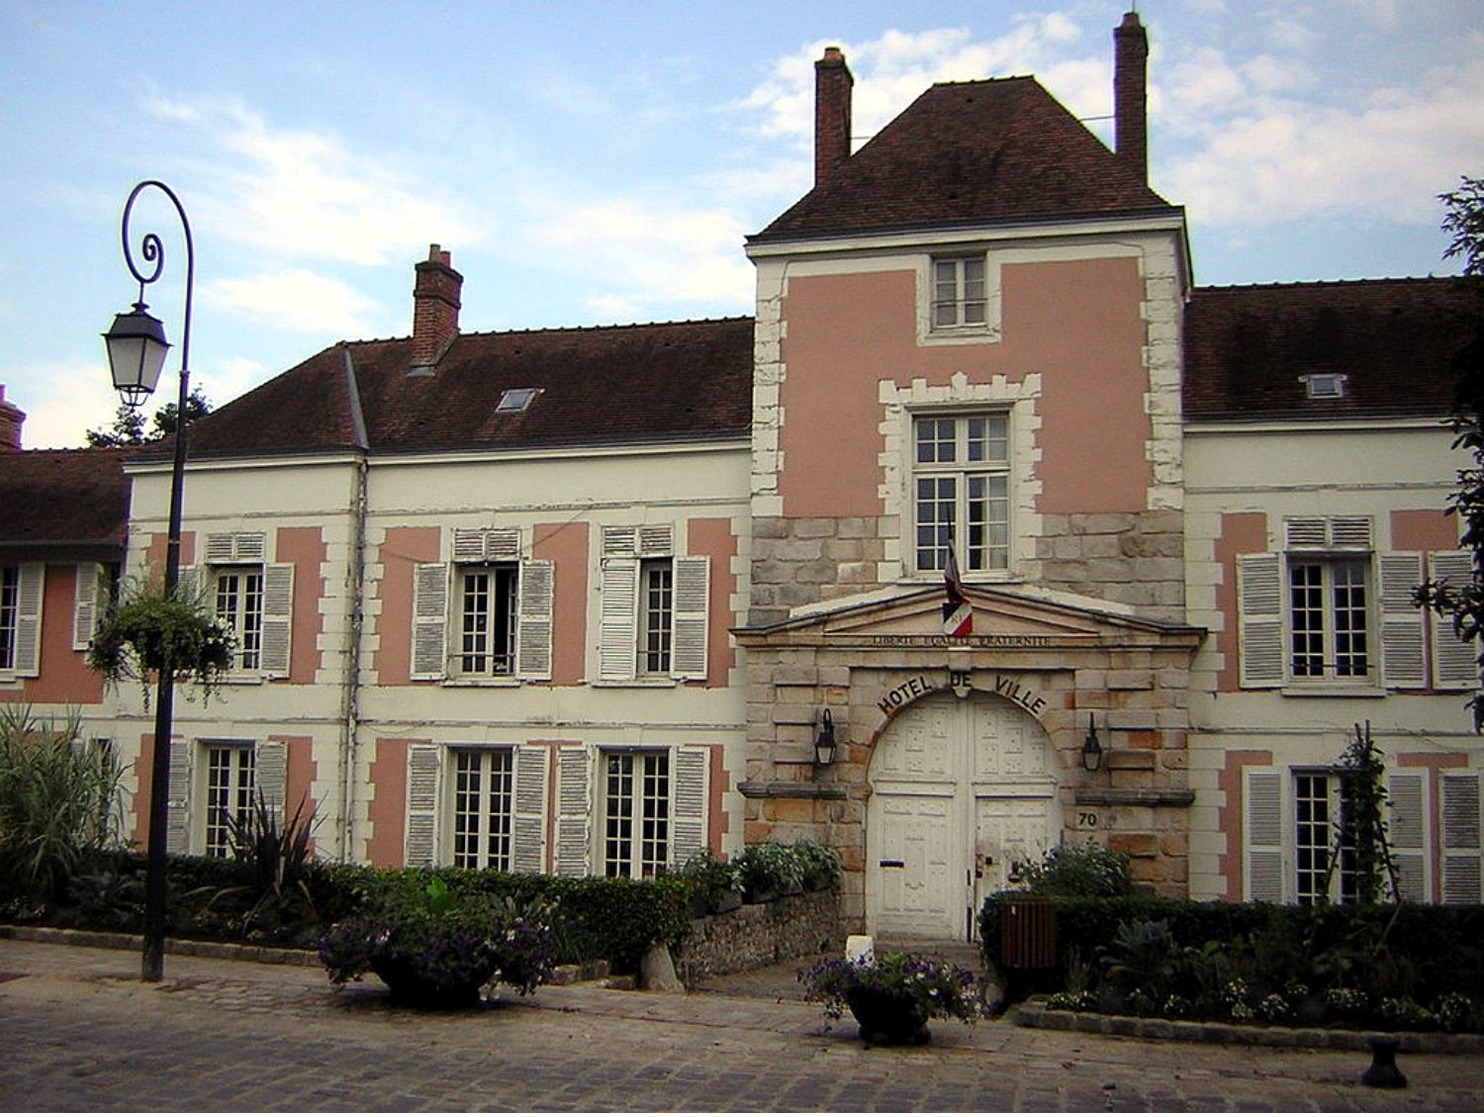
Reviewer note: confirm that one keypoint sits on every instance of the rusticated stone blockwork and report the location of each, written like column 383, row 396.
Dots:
column 1132, row 558
column 804, row 561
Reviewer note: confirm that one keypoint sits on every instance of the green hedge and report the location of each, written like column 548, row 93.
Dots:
column 1418, row 953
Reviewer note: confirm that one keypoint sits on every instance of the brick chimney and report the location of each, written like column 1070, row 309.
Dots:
column 832, row 85
column 1130, row 74
column 11, row 418
column 435, row 307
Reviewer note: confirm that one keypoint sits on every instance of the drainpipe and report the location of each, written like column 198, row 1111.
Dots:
column 350, row 711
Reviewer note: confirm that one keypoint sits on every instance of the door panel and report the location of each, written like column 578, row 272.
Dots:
column 914, row 864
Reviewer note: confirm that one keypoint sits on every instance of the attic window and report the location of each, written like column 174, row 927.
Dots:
column 516, row 399
column 1325, row 385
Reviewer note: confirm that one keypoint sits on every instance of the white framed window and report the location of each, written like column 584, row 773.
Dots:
column 477, row 806
column 485, row 615
column 230, row 772
column 20, row 618
column 655, row 607
column 483, row 808
column 1324, row 857
column 961, row 491
column 960, row 293
column 1330, row 611
column 253, row 596
column 636, row 813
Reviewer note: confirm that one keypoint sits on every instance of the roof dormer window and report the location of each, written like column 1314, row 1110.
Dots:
column 516, row 399
column 1325, row 385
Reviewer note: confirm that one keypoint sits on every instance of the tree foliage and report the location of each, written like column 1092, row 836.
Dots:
column 1462, row 603
column 128, row 423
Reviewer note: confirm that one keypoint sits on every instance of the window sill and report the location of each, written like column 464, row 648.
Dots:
column 244, row 678
column 642, row 683
column 958, row 335
column 1332, row 690
column 476, row 684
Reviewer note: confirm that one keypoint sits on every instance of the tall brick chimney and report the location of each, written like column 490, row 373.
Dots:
column 435, row 307
column 832, row 85
column 11, row 418
column 1130, row 81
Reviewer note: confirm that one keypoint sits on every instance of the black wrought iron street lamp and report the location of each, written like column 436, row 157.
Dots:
column 1092, row 748
column 136, row 354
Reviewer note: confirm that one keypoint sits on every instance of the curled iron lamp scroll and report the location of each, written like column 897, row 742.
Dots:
column 1092, row 748
column 136, row 353
column 824, row 744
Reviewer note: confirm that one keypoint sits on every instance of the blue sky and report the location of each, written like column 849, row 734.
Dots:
column 591, row 162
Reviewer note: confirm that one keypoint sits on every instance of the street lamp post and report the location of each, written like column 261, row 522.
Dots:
column 136, row 354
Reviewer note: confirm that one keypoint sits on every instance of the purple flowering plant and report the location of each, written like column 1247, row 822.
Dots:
column 928, row 988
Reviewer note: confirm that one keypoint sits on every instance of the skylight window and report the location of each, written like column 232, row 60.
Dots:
column 1325, row 385
column 516, row 399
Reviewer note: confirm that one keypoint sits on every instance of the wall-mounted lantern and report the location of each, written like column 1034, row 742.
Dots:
column 824, row 744
column 1092, row 748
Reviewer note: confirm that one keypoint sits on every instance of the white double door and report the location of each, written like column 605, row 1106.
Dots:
column 962, row 794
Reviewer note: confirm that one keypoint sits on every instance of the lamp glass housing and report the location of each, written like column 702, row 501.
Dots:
column 824, row 744
column 136, row 353
column 1092, row 748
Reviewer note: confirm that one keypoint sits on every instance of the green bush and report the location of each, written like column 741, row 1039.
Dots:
column 59, row 807
column 1072, row 870
column 1358, row 965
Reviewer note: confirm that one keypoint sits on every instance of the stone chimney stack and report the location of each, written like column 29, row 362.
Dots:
column 832, row 85
column 1130, row 82
column 435, row 307
column 11, row 418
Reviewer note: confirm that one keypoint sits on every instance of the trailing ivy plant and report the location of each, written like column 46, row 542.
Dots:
column 146, row 628
column 1362, row 774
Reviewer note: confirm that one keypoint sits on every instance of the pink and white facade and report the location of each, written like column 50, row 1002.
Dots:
column 578, row 601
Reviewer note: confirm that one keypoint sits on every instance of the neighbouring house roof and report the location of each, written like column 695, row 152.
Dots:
column 678, row 381
column 967, row 153
column 1247, row 349
column 64, row 503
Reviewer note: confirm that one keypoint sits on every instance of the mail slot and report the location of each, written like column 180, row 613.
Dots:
column 893, row 864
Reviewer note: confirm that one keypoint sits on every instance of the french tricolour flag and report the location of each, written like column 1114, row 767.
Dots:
column 958, row 614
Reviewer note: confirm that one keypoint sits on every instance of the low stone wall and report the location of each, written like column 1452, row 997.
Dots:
column 760, row 935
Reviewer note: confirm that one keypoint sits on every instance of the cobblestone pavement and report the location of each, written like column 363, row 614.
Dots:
column 79, row 1031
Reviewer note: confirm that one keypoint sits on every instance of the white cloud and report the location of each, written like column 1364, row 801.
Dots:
column 297, row 299
column 64, row 402
column 646, row 254
column 301, row 194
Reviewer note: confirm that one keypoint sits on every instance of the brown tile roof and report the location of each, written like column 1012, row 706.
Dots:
column 970, row 153
column 64, row 502
column 678, row 381
column 1394, row 340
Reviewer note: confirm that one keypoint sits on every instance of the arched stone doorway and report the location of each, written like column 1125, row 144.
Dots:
column 962, row 791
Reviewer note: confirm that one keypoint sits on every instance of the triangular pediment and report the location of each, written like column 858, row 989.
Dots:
column 1002, row 618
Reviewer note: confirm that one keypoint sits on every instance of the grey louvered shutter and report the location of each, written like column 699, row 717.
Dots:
column 1403, row 663
column 424, row 792
column 429, row 620
column 688, row 809
column 87, row 604
column 1455, row 662
column 1407, row 834
column 574, row 811
column 691, row 617
column 178, row 803
column 1263, row 806
column 31, row 586
column 1260, row 620
column 271, row 775
column 1462, row 883
column 528, row 839
column 278, row 605
column 188, row 588
column 618, row 619
column 533, row 622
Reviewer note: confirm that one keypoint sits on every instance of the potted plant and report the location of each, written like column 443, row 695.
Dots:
column 893, row 997
column 442, row 951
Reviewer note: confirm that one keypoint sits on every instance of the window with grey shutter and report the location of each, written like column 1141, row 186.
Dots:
column 271, row 773
column 534, row 619
column 1407, row 834
column 1260, row 620
column 1455, row 662
column 88, row 603
column 574, row 811
column 178, row 804
column 1263, row 807
column 278, row 603
column 429, row 620
column 424, row 792
column 691, row 619
column 25, row 651
column 1402, row 656
column 618, row 619
column 688, row 817
column 528, row 844
column 1462, row 882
